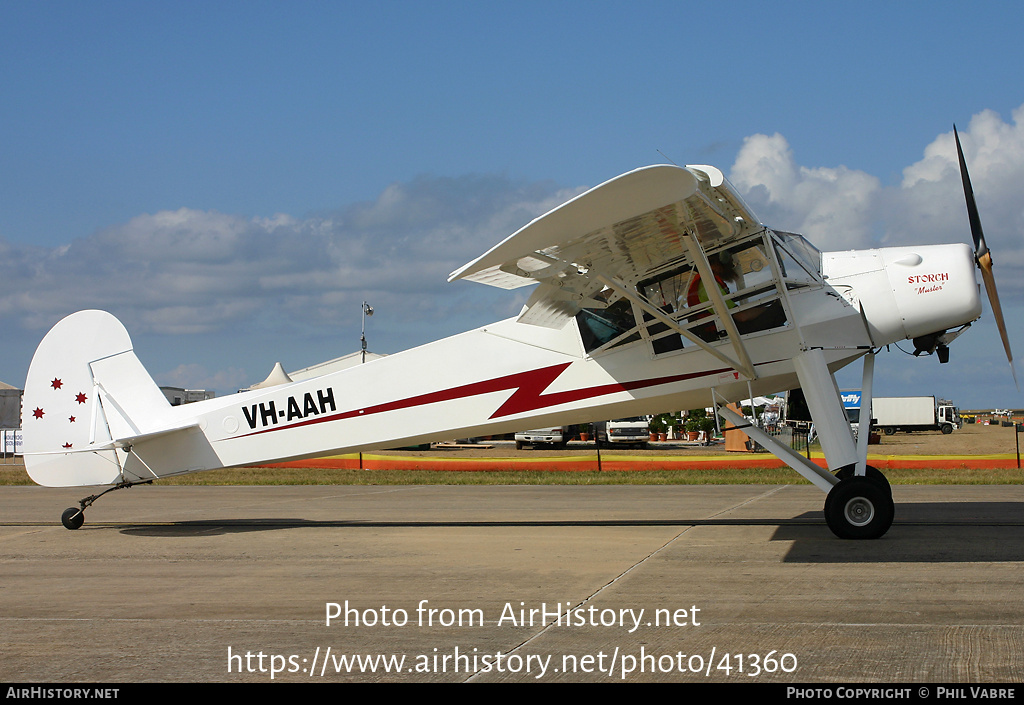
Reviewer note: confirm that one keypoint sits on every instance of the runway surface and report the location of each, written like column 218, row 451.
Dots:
column 735, row 583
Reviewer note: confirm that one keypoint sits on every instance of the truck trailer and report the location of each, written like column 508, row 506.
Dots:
column 892, row 414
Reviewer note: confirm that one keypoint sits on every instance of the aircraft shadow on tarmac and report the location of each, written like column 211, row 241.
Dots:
column 930, row 532
column 938, row 543
column 926, row 532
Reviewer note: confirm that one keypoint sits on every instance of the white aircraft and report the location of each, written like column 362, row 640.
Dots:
column 621, row 323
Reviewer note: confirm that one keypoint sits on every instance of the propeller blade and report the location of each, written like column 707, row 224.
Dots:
column 980, row 248
column 984, row 256
column 985, row 264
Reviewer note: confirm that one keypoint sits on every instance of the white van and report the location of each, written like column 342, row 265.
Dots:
column 621, row 432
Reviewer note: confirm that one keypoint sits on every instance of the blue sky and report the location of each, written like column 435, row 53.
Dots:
column 232, row 179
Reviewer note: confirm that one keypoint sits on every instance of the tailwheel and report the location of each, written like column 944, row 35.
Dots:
column 72, row 518
column 859, row 508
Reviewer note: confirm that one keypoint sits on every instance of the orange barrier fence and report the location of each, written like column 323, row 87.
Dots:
column 611, row 462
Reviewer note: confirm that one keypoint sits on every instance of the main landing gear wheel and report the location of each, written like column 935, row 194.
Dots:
column 72, row 518
column 859, row 508
column 873, row 474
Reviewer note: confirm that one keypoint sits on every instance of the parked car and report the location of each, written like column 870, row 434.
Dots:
column 556, row 436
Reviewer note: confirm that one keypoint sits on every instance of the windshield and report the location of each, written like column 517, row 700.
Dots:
column 798, row 259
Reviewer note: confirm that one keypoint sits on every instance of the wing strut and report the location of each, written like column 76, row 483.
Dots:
column 718, row 303
column 656, row 313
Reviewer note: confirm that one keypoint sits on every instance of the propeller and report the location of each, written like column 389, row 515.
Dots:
column 983, row 255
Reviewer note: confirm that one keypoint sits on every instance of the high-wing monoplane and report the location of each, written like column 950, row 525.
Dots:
column 656, row 291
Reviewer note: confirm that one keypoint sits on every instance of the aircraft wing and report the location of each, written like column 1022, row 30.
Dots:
column 621, row 230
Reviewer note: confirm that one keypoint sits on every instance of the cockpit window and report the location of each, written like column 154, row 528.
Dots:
column 607, row 327
column 746, row 275
column 799, row 260
column 743, row 276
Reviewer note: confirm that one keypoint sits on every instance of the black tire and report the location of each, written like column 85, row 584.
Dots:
column 889, row 431
column 946, row 429
column 519, row 445
column 859, row 508
column 72, row 518
column 873, row 474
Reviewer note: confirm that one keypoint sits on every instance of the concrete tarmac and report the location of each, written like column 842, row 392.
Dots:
column 741, row 584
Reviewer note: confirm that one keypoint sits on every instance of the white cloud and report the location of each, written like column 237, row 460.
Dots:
column 832, row 206
column 930, row 200
column 189, row 271
column 202, row 273
column 840, row 208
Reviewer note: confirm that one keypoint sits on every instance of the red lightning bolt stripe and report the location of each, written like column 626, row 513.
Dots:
column 529, row 394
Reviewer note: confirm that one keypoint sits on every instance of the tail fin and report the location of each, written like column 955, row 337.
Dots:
column 85, row 390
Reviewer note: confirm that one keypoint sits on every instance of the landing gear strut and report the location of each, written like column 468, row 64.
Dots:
column 856, row 506
column 74, row 517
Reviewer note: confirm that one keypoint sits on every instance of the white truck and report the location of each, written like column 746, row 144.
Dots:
column 633, row 431
column 892, row 414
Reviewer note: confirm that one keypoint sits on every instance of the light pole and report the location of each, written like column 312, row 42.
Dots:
column 367, row 311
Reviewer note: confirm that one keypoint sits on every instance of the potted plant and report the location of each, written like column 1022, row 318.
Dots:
column 707, row 425
column 657, row 427
column 694, row 423
column 692, row 429
column 676, row 427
